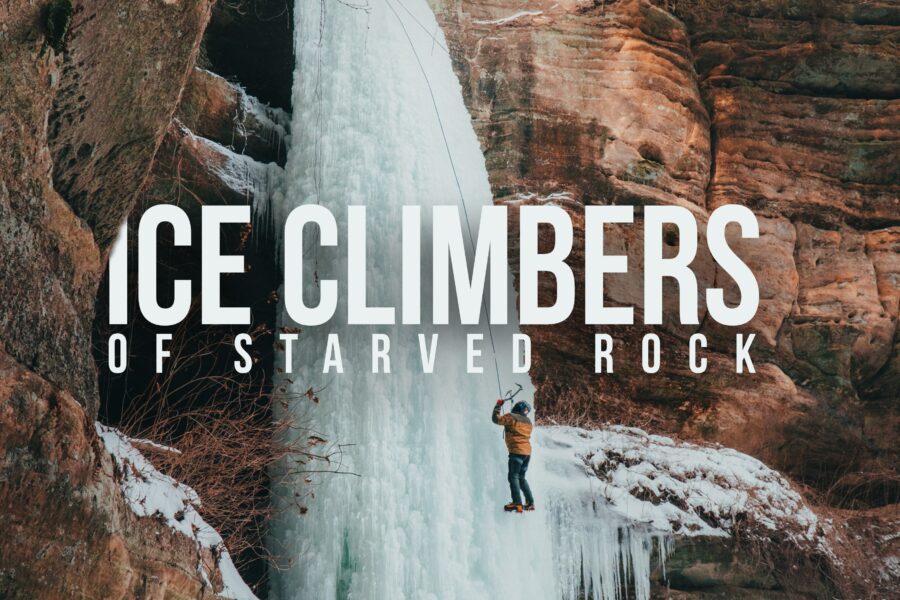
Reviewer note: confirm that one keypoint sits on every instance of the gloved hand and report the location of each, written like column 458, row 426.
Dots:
column 499, row 403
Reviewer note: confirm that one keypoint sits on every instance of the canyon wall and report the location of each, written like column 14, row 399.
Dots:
column 791, row 109
column 787, row 108
column 87, row 94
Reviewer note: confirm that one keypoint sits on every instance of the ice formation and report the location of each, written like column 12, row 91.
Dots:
column 260, row 183
column 379, row 120
column 674, row 487
column 272, row 122
column 256, row 181
column 151, row 493
column 253, row 117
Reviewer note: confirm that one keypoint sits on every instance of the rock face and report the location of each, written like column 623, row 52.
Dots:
column 109, row 114
column 805, row 112
column 222, row 112
column 68, row 532
column 215, row 151
column 45, row 311
column 708, row 567
column 79, row 133
column 787, row 109
column 790, row 109
column 598, row 101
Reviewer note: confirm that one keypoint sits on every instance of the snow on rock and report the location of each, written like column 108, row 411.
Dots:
column 511, row 18
column 618, row 496
column 240, row 173
column 273, row 123
column 255, row 125
column 151, row 493
column 259, row 183
column 559, row 198
column 152, row 446
column 676, row 487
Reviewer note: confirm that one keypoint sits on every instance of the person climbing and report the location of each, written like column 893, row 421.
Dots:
column 517, row 433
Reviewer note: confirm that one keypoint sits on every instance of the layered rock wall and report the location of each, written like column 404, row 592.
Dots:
column 86, row 100
column 787, row 108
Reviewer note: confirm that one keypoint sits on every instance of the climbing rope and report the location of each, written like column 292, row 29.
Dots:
column 462, row 198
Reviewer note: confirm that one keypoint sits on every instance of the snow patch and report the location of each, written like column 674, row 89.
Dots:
column 558, row 198
column 512, row 18
column 246, row 176
column 152, row 446
column 889, row 569
column 616, row 497
column 677, row 488
column 150, row 493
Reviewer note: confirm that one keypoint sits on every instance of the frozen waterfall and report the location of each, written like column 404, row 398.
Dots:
column 378, row 115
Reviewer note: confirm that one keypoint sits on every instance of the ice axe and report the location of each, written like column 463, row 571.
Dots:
column 510, row 395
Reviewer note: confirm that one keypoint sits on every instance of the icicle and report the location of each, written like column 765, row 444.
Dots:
column 597, row 554
column 273, row 123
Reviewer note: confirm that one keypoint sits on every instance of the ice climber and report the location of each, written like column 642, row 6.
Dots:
column 517, row 433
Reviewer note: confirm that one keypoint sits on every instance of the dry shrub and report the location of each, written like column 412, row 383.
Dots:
column 224, row 436
column 225, row 454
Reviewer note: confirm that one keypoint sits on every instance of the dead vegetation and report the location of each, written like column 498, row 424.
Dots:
column 225, row 437
column 229, row 441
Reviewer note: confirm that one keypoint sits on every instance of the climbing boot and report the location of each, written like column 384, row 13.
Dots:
column 529, row 506
column 513, row 507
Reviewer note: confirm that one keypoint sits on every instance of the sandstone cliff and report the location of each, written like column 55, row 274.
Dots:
column 788, row 108
column 87, row 94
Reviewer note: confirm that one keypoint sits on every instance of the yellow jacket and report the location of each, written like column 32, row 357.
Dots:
column 517, row 431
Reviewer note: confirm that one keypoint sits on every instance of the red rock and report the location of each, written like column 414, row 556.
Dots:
column 789, row 109
column 67, row 530
column 223, row 112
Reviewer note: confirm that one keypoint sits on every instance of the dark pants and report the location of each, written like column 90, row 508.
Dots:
column 518, row 464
